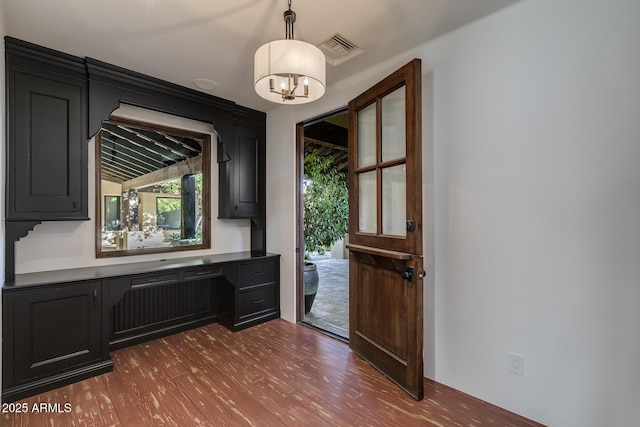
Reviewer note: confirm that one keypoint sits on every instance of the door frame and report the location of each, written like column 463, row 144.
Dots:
column 299, row 217
column 300, row 207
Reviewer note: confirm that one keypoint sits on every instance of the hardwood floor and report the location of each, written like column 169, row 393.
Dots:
column 274, row 374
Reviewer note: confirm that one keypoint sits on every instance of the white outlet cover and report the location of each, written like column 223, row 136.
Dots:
column 516, row 363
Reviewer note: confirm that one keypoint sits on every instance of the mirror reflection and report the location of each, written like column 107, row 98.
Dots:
column 152, row 189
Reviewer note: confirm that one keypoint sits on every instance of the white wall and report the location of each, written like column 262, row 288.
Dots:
column 60, row 245
column 536, row 204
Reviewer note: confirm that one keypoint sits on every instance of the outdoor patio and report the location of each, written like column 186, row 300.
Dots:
column 330, row 310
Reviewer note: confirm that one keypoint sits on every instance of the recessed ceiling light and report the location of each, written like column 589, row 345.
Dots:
column 205, row 84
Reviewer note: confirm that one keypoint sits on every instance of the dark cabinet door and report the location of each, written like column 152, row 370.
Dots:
column 47, row 147
column 242, row 176
column 55, row 329
column 246, row 198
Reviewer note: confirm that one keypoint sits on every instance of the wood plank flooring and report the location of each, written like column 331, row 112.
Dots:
column 274, row 374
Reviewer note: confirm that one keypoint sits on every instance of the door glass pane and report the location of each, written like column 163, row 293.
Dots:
column 367, row 208
column 394, row 201
column 393, row 125
column 367, row 135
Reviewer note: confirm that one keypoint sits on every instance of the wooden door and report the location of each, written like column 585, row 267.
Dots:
column 385, row 227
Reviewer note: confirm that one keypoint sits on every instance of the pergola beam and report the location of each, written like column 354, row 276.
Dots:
column 189, row 166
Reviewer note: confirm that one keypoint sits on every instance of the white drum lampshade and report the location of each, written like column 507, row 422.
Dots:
column 289, row 71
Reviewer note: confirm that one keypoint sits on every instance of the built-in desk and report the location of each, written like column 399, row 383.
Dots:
column 59, row 326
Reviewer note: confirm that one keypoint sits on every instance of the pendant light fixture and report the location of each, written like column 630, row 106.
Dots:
column 289, row 71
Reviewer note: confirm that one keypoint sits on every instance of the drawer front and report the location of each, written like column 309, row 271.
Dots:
column 256, row 299
column 163, row 279
column 256, row 272
column 202, row 273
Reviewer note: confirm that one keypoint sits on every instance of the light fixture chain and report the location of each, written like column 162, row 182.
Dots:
column 289, row 19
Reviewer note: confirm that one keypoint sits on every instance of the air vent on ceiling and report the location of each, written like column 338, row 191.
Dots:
column 338, row 49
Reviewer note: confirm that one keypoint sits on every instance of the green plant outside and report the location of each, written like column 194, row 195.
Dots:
column 326, row 205
column 173, row 187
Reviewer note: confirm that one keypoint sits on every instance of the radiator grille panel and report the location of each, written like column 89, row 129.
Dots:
column 149, row 308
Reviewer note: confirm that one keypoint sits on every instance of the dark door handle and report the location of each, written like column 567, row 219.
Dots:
column 408, row 274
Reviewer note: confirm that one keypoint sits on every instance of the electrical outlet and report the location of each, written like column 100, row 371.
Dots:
column 516, row 363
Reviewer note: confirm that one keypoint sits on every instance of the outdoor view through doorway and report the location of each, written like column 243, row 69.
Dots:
column 325, row 213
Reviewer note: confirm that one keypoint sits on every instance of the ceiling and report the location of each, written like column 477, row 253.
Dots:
column 128, row 152
column 183, row 40
column 328, row 137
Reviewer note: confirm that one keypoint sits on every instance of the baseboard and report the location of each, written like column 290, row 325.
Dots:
column 159, row 333
column 42, row 385
column 229, row 323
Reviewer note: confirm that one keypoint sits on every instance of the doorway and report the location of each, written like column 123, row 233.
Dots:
column 323, row 213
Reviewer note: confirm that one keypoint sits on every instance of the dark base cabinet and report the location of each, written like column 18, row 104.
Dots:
column 56, row 334
column 252, row 294
column 58, row 327
column 159, row 305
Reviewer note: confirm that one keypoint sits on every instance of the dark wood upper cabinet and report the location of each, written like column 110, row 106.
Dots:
column 242, row 174
column 56, row 102
column 47, row 138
